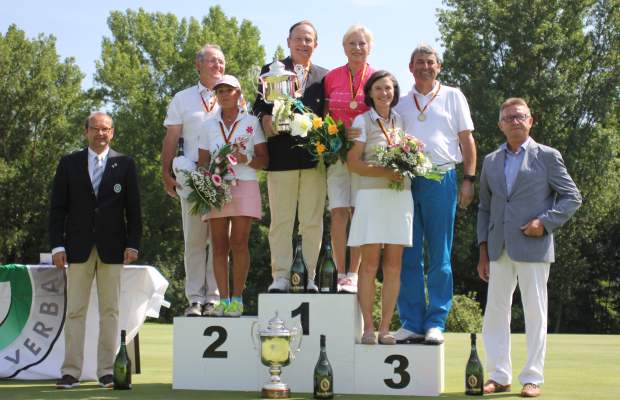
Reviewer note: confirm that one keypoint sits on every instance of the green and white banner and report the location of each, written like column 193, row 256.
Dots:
column 32, row 314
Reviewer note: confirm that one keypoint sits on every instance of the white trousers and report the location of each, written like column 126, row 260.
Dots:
column 200, row 284
column 300, row 191
column 532, row 279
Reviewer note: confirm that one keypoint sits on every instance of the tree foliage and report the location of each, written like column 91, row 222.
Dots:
column 148, row 58
column 41, row 110
column 564, row 59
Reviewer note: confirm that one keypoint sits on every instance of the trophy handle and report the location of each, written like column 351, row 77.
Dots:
column 254, row 334
column 296, row 337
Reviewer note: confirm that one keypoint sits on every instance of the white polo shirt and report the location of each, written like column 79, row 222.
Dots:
column 446, row 116
column 247, row 130
column 187, row 108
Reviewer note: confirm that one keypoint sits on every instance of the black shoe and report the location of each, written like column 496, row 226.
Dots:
column 106, row 381
column 67, row 382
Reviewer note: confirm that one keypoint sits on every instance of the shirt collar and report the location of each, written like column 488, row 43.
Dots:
column 240, row 115
column 414, row 90
column 374, row 115
column 103, row 155
column 203, row 90
column 522, row 147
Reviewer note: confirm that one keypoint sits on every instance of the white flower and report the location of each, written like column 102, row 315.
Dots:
column 301, row 125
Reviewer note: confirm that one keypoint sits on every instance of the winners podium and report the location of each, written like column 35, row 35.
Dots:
column 218, row 353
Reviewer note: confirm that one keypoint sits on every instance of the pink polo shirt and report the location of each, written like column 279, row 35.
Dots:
column 338, row 93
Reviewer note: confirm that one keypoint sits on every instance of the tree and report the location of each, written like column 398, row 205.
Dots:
column 563, row 58
column 149, row 58
column 42, row 108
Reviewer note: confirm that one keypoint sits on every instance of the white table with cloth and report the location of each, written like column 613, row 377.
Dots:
column 32, row 314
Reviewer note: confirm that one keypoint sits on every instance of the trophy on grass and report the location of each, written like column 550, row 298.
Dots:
column 278, row 346
column 278, row 88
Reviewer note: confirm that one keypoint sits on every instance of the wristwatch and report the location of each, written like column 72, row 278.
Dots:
column 471, row 178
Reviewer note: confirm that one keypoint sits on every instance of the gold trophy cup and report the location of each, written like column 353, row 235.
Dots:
column 278, row 346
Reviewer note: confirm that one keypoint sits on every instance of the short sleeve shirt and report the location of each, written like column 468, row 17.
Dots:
column 446, row 116
column 191, row 108
column 245, row 131
column 339, row 96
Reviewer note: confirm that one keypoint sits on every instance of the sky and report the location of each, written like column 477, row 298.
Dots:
column 398, row 26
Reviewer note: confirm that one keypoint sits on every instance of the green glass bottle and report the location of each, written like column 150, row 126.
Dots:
column 323, row 375
column 328, row 282
column 298, row 270
column 122, row 367
column 474, row 374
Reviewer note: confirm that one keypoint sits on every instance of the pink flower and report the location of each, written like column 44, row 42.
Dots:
column 406, row 148
column 249, row 130
column 231, row 171
column 218, row 160
column 217, row 180
column 232, row 159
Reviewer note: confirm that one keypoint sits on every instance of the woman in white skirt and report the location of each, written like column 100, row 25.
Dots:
column 383, row 217
column 230, row 225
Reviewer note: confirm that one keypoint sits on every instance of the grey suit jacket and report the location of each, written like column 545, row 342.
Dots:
column 542, row 189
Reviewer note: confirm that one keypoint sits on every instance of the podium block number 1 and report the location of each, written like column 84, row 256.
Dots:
column 304, row 312
column 212, row 351
column 400, row 364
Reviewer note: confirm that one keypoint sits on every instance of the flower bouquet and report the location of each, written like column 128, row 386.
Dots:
column 211, row 187
column 405, row 155
column 326, row 137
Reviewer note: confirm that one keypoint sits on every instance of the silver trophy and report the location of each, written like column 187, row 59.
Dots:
column 278, row 346
column 279, row 88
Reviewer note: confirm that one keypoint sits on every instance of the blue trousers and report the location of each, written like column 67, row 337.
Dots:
column 433, row 223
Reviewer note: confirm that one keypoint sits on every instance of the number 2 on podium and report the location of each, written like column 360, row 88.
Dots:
column 304, row 311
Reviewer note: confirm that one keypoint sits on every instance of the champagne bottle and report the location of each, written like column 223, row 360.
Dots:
column 180, row 151
column 328, row 276
column 474, row 375
column 323, row 375
column 122, row 367
column 298, row 270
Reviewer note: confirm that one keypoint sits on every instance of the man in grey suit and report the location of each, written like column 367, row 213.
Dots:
column 525, row 195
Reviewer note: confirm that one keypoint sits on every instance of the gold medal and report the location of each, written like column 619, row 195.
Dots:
column 421, row 117
column 353, row 105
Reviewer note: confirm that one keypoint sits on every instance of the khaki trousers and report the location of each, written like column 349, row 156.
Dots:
column 79, row 281
column 200, row 284
column 301, row 191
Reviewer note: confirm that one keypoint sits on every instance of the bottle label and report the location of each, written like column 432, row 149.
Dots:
column 472, row 381
column 295, row 279
column 325, row 385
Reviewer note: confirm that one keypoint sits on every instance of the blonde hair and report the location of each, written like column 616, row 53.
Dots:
column 363, row 30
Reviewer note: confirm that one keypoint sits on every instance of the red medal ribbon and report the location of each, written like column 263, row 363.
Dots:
column 387, row 137
column 427, row 104
column 354, row 93
column 231, row 132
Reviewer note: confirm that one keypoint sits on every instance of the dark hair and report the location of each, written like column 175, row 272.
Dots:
column 304, row 22
column 371, row 81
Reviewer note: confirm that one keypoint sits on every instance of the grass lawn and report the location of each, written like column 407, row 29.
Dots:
column 577, row 367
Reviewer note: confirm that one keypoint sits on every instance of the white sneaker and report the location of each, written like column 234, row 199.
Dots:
column 434, row 336
column 311, row 287
column 347, row 285
column 403, row 335
column 279, row 285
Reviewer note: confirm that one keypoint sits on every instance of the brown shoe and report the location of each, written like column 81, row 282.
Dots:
column 493, row 387
column 530, row 390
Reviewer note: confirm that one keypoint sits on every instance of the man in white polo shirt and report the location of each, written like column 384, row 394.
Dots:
column 439, row 116
column 187, row 113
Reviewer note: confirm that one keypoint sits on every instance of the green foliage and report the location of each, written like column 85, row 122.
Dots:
column 563, row 58
column 41, row 111
column 279, row 53
column 148, row 58
column 465, row 315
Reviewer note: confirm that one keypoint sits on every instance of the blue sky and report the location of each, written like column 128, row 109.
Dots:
column 398, row 25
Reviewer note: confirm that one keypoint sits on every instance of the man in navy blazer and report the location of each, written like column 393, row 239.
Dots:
column 95, row 227
column 525, row 195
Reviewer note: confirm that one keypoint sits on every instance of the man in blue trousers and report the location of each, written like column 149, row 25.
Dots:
column 438, row 115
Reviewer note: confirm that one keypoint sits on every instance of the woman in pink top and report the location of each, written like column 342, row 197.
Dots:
column 344, row 92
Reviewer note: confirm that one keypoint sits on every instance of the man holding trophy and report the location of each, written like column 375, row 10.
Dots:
column 294, row 183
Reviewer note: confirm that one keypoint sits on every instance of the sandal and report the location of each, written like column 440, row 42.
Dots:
column 369, row 338
column 387, row 338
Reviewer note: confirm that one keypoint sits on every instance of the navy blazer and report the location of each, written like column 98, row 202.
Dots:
column 80, row 220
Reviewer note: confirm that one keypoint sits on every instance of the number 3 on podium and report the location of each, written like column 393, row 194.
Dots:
column 400, row 369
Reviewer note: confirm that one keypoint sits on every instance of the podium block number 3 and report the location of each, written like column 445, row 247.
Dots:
column 304, row 312
column 400, row 364
column 212, row 351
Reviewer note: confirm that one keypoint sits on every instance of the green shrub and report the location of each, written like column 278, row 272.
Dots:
column 466, row 314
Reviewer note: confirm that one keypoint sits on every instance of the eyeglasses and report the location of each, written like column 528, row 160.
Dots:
column 518, row 117
column 100, row 130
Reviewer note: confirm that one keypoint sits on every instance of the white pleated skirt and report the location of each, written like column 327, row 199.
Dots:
column 382, row 216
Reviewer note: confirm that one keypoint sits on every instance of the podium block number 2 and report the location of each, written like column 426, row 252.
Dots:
column 400, row 364
column 212, row 351
column 304, row 314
